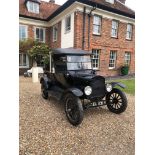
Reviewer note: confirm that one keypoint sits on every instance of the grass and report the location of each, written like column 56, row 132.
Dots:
column 130, row 86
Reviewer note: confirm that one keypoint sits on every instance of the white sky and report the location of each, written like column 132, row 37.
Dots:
column 130, row 3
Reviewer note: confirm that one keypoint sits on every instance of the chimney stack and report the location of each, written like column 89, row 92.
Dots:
column 52, row 1
column 123, row 1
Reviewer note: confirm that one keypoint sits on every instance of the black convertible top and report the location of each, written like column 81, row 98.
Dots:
column 70, row 51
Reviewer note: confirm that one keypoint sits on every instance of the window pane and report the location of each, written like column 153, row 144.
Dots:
column 31, row 6
column 22, row 32
column 24, row 59
column 97, row 25
column 37, row 33
column 95, row 59
column 68, row 23
column 20, row 59
column 41, row 35
column 96, row 29
column 114, row 29
column 97, row 20
column 112, row 60
column 129, row 31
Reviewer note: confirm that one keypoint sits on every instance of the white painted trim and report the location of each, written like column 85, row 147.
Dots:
column 28, row 21
column 105, row 14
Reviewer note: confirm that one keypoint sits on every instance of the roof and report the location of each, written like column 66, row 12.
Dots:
column 117, row 5
column 50, row 10
column 69, row 51
column 46, row 9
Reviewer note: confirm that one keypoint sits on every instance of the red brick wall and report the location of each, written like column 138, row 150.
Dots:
column 106, row 43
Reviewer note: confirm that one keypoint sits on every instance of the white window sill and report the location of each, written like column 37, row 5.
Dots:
column 98, row 34
column 111, row 68
column 128, row 39
column 23, row 66
column 68, row 31
column 54, row 41
column 114, row 37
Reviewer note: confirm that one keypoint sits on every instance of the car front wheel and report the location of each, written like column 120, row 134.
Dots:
column 116, row 101
column 44, row 91
column 73, row 109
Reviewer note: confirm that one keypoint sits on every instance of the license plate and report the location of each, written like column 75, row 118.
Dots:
column 100, row 103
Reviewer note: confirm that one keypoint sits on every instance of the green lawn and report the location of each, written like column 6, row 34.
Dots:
column 130, row 85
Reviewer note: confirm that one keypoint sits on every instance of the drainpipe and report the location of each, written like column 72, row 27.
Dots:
column 89, row 16
column 84, row 19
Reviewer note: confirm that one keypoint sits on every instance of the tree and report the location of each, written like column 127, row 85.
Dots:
column 25, row 45
column 40, row 49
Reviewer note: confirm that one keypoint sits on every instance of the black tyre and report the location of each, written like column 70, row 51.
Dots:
column 44, row 91
column 73, row 109
column 116, row 101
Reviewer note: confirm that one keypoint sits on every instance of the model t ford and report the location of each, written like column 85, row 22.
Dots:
column 72, row 80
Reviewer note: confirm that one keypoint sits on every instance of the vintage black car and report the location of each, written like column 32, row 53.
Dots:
column 72, row 80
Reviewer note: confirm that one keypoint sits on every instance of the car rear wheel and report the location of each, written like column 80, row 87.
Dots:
column 44, row 91
column 116, row 101
column 73, row 109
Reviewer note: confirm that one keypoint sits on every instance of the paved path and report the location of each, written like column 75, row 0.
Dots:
column 44, row 129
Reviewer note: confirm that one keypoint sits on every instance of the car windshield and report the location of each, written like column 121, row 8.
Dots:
column 78, row 62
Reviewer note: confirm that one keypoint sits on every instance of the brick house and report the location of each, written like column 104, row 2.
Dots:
column 105, row 27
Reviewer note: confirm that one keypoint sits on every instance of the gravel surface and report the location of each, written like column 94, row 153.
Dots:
column 44, row 129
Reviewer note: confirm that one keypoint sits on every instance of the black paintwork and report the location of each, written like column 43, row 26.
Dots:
column 74, row 81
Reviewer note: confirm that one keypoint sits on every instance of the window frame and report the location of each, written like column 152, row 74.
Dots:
column 33, row 7
column 97, row 62
column 27, row 61
column 130, row 32
column 44, row 35
column 114, row 59
column 99, row 24
column 55, row 38
column 112, row 28
column 127, row 61
column 26, row 32
column 67, row 29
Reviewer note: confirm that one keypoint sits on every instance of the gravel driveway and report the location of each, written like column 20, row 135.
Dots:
column 44, row 129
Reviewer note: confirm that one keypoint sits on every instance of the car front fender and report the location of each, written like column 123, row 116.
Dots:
column 77, row 92
column 44, row 80
column 114, row 84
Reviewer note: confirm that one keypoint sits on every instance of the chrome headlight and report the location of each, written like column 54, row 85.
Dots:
column 88, row 90
column 108, row 87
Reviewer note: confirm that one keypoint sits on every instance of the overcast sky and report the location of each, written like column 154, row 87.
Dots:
column 130, row 3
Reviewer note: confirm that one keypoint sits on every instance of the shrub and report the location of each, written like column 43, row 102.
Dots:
column 124, row 70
